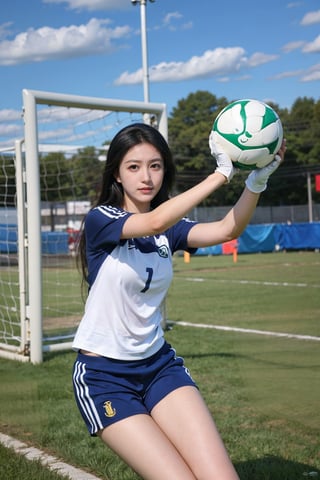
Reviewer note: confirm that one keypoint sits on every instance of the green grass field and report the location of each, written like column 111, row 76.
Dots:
column 263, row 390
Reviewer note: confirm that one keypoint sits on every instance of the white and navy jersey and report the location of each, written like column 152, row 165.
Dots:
column 128, row 282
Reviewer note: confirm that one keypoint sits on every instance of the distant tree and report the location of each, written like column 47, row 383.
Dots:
column 87, row 174
column 65, row 178
column 302, row 131
column 54, row 176
column 7, row 181
column 189, row 126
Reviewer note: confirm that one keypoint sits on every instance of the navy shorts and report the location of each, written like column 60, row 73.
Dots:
column 108, row 390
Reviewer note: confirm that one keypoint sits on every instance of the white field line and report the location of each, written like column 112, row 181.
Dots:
column 48, row 461
column 253, row 282
column 247, row 330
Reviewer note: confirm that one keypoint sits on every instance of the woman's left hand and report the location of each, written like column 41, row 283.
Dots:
column 258, row 179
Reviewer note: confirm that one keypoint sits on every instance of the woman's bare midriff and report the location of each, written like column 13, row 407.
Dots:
column 91, row 354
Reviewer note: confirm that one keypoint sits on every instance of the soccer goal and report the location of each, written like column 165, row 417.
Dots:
column 50, row 180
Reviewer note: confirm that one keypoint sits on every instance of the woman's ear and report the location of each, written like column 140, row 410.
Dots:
column 117, row 177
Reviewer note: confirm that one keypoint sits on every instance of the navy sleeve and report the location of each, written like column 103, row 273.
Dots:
column 103, row 227
column 178, row 235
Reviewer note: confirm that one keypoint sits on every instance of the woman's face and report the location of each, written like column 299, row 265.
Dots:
column 141, row 174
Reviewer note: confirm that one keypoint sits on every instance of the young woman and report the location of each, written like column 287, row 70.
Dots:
column 132, row 390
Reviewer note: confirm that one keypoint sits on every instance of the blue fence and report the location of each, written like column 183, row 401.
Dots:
column 273, row 237
column 254, row 239
column 52, row 242
column 55, row 243
column 8, row 238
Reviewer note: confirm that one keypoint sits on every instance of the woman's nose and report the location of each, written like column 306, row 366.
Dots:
column 146, row 174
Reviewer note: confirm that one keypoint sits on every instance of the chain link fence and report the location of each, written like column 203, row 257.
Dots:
column 278, row 214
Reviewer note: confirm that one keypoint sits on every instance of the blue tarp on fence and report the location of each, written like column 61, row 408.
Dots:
column 274, row 237
column 8, row 238
column 298, row 236
column 254, row 239
column 54, row 243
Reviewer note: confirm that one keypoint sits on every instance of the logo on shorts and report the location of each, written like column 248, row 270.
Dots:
column 109, row 410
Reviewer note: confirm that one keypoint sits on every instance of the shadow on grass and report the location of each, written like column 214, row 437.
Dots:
column 251, row 358
column 212, row 354
column 275, row 468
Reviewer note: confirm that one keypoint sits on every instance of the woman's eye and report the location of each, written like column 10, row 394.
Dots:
column 156, row 166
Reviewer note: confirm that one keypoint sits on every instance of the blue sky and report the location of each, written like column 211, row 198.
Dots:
column 236, row 49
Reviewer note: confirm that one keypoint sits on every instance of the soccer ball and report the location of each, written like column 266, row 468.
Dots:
column 250, row 132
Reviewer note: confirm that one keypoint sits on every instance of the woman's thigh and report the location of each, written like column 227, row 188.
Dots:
column 185, row 419
column 140, row 442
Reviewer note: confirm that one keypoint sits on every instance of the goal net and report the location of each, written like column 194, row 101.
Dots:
column 50, row 181
column 12, row 329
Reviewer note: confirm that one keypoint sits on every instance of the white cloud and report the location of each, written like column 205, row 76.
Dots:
column 243, row 78
column 170, row 16
column 223, row 79
column 311, row 18
column 260, row 58
column 76, row 116
column 187, row 26
column 218, row 62
column 5, row 29
column 312, row 75
column 9, row 115
column 291, row 46
column 294, row 4
column 289, row 74
column 312, row 47
column 173, row 22
column 93, row 4
column 11, row 130
column 11, row 127
column 48, row 43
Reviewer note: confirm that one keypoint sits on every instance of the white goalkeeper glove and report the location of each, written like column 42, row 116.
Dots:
column 224, row 163
column 258, row 179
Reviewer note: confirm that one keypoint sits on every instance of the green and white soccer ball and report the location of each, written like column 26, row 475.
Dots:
column 250, row 132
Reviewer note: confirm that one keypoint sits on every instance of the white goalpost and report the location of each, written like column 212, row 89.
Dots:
column 50, row 179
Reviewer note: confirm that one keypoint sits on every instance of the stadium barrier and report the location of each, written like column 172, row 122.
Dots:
column 8, row 238
column 55, row 243
column 271, row 238
column 254, row 239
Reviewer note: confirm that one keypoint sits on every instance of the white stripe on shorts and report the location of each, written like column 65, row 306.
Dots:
column 84, row 398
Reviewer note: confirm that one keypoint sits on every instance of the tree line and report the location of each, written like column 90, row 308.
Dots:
column 66, row 178
column 189, row 126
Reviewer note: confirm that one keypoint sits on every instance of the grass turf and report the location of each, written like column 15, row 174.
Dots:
column 263, row 391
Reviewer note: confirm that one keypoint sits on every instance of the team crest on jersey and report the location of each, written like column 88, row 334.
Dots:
column 163, row 251
column 109, row 410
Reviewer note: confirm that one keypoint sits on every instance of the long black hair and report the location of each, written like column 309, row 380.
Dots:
column 111, row 192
